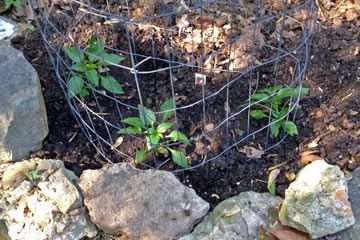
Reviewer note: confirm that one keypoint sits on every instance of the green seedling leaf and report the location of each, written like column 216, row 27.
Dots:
column 152, row 140
column 134, row 121
column 260, row 96
column 93, row 77
column 149, row 115
column 176, row 135
column 84, row 93
column 164, row 126
column 271, row 90
column 75, row 86
column 111, row 85
column 78, row 67
column 130, row 130
column 167, row 105
column 258, row 114
column 179, row 158
column 74, row 54
column 112, row 59
column 272, row 188
column 31, row 27
column 140, row 155
column 275, row 127
column 290, row 128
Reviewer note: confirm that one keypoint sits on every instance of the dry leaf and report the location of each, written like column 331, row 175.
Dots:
column 308, row 157
column 252, row 152
column 118, row 142
column 314, row 143
column 278, row 5
column 290, row 176
column 277, row 165
column 272, row 177
column 283, row 232
column 215, row 196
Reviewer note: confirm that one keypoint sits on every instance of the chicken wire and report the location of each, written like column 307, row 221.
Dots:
column 240, row 47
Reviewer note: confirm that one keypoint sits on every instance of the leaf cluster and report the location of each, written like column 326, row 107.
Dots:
column 276, row 100
column 15, row 3
column 88, row 66
column 156, row 133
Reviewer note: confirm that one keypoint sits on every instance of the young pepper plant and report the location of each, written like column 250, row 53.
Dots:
column 88, row 66
column 280, row 107
column 155, row 134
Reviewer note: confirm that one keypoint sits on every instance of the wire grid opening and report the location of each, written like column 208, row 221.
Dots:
column 210, row 57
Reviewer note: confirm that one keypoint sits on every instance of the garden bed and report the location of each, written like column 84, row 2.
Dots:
column 329, row 112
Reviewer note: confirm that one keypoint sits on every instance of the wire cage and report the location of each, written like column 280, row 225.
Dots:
column 174, row 84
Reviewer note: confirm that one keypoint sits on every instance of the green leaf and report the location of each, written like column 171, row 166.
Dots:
column 112, row 58
column 96, row 49
column 176, row 135
column 179, row 158
column 274, row 127
column 74, row 54
column 93, row 77
column 152, row 140
column 140, row 155
column 164, row 126
column 84, row 92
column 271, row 90
column 258, row 114
column 272, row 188
column 75, row 85
column 149, row 115
column 17, row 3
column 134, row 121
column 290, row 128
column 130, row 130
column 8, row 3
column 260, row 96
column 167, row 105
column 111, row 85
column 78, row 67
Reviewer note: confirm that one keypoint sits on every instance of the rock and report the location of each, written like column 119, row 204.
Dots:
column 16, row 174
column 316, row 202
column 238, row 218
column 29, row 211
column 140, row 204
column 352, row 233
column 60, row 189
column 23, row 121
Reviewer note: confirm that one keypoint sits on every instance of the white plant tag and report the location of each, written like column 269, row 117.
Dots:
column 200, row 79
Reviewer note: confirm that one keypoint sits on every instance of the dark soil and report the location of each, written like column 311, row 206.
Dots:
column 329, row 112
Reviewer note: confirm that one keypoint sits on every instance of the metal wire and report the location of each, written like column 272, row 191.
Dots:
column 253, row 43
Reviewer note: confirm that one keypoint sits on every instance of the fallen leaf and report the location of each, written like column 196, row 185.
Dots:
column 252, row 152
column 314, row 143
column 215, row 196
column 272, row 180
column 117, row 143
column 308, row 157
column 290, row 176
column 283, row 232
column 278, row 5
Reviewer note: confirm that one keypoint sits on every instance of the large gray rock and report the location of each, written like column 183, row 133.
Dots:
column 238, row 218
column 28, row 211
column 140, row 204
column 317, row 201
column 23, row 122
column 353, row 233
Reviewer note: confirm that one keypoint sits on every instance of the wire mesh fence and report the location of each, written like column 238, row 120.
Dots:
column 176, row 84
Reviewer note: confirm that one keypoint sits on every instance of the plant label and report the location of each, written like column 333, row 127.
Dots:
column 200, row 79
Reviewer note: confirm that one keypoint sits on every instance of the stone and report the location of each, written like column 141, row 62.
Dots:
column 238, row 218
column 23, row 121
column 60, row 189
column 352, row 233
column 16, row 174
column 140, row 204
column 317, row 201
column 28, row 211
